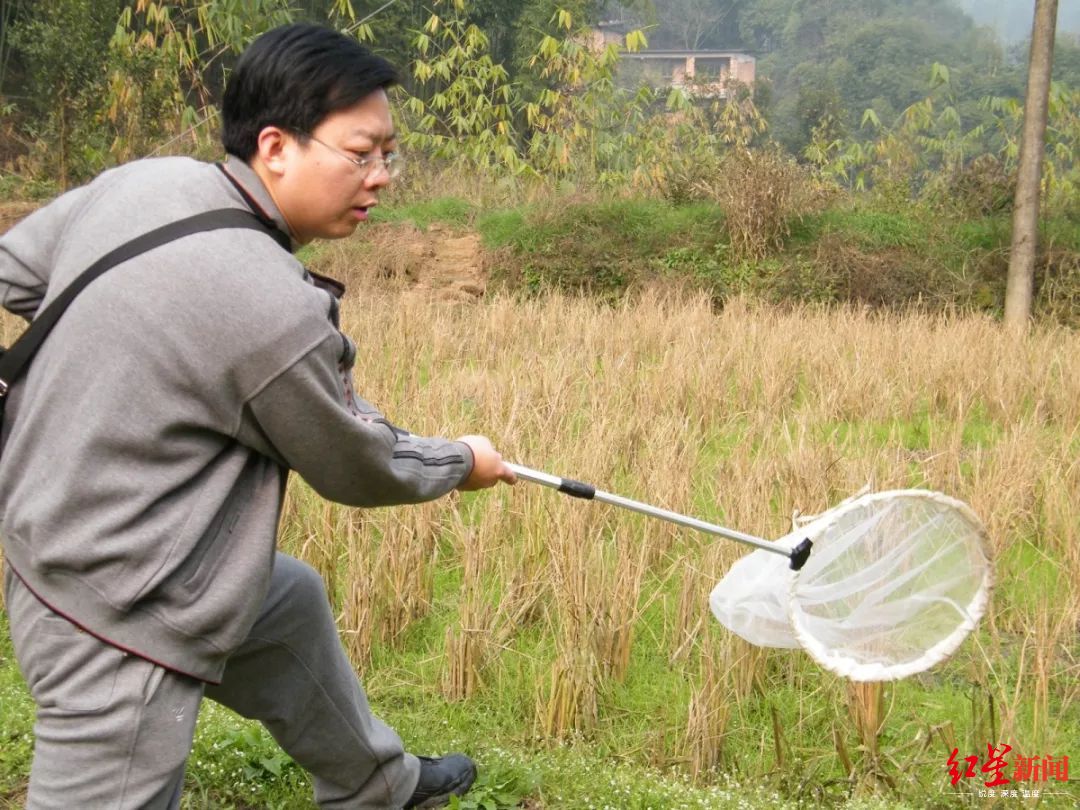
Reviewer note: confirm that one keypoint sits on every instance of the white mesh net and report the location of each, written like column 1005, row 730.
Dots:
column 896, row 580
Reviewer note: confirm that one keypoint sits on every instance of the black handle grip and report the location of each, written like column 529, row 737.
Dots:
column 577, row 489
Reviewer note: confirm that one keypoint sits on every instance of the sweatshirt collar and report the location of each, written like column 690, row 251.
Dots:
column 257, row 195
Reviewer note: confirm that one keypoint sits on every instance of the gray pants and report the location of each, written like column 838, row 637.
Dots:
column 114, row 730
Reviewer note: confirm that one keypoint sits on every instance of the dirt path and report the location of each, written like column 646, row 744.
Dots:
column 438, row 260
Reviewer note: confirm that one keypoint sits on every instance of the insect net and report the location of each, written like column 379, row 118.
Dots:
column 895, row 582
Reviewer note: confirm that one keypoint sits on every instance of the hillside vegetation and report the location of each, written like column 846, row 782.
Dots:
column 864, row 256
column 579, row 181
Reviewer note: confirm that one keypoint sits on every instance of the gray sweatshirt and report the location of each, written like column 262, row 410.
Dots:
column 146, row 450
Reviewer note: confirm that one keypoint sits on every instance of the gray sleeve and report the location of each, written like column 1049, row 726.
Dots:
column 26, row 254
column 309, row 418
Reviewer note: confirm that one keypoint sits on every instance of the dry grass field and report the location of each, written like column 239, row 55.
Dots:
column 744, row 417
column 526, row 625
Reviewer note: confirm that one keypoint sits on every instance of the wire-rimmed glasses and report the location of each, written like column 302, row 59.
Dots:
column 392, row 162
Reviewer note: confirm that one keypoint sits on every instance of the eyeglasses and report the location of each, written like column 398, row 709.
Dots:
column 392, row 162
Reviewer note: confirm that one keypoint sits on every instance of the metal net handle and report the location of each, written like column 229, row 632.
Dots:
column 797, row 556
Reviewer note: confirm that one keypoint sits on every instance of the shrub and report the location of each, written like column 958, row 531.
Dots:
column 1057, row 280
column 760, row 193
column 983, row 187
column 891, row 277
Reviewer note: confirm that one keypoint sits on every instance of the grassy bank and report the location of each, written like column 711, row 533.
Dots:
column 846, row 253
column 569, row 646
column 853, row 249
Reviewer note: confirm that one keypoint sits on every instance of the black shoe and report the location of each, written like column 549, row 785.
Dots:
column 441, row 778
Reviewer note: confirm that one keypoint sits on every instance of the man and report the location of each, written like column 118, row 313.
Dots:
column 146, row 452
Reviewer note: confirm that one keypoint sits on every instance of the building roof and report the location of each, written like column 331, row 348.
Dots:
column 685, row 54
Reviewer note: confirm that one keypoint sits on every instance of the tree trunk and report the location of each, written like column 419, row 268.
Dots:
column 1018, row 293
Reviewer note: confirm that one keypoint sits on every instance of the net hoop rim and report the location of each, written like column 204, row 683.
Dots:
column 844, row 666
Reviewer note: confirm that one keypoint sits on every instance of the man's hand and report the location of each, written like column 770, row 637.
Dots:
column 488, row 467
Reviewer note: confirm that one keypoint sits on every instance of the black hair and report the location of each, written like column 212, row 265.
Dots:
column 293, row 77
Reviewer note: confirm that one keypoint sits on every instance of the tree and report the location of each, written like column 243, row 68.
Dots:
column 691, row 24
column 63, row 48
column 9, row 13
column 875, row 53
column 1018, row 291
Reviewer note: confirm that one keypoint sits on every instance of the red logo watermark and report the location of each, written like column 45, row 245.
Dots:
column 997, row 770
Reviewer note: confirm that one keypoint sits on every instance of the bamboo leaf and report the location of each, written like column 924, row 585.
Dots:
column 635, row 41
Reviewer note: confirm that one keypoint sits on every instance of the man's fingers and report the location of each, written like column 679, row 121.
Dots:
column 488, row 465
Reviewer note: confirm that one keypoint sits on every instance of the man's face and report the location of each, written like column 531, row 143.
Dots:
column 320, row 190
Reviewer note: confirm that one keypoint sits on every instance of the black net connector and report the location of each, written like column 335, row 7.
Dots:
column 800, row 554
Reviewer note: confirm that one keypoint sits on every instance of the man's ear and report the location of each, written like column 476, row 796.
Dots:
column 273, row 145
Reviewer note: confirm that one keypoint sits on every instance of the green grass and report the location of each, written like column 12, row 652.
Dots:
column 628, row 761
column 988, row 233
column 446, row 210
column 603, row 247
column 17, row 187
column 995, row 233
column 880, row 257
column 643, row 225
column 16, row 719
column 1036, row 584
column 915, row 432
column 639, row 227
column 501, row 228
column 867, row 228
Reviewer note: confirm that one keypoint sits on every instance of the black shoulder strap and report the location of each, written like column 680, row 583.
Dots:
column 252, row 203
column 15, row 360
